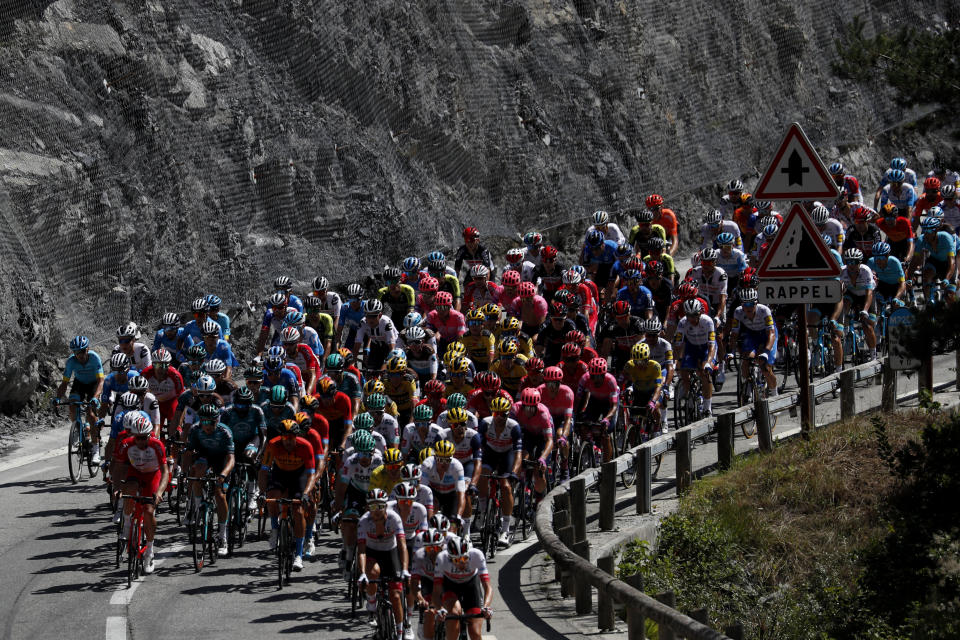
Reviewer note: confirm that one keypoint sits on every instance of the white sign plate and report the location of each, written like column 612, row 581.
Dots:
column 799, row 291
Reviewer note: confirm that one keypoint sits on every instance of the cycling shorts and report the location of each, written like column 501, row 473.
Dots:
column 445, row 503
column 168, row 409
column 939, row 266
column 596, row 409
column 499, row 462
column 426, row 587
column 355, row 500
column 469, row 594
column 533, row 444
column 694, row 355
column 888, row 290
column 388, row 561
column 900, row 248
column 147, row 483
column 83, row 390
column 289, row 482
column 757, row 342
column 856, row 303
column 213, row 463
column 823, row 309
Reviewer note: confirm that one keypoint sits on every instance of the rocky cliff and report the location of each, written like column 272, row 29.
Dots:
column 154, row 150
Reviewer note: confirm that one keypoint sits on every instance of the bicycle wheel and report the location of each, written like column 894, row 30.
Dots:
column 233, row 518
column 210, row 535
column 180, row 500
column 134, row 543
column 679, row 420
column 120, row 543
column 241, row 523
column 197, row 539
column 282, row 551
column 112, row 498
column 386, row 623
column 75, row 452
column 287, row 533
column 353, row 588
column 631, row 439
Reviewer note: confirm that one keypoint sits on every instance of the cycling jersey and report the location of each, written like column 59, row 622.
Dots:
column 116, row 384
column 140, row 355
column 559, row 405
column 860, row 283
column 192, row 330
column 379, row 444
column 142, row 459
column 531, row 312
column 381, row 478
column 384, row 332
column 446, row 569
column 661, row 350
column 942, row 249
column 761, row 321
column 330, row 302
column 910, row 177
column 850, row 187
column 400, row 301
column 676, row 309
column 467, row 448
column 613, row 233
column 339, row 409
column 510, row 375
column 701, row 333
column 862, row 240
column 87, row 373
column 449, row 327
column 414, row 523
column 639, row 301
column 479, row 347
column 246, row 426
column 305, row 360
column 623, row 339
column 708, row 234
column 223, row 352
column 217, row 444
column 423, row 568
column 713, row 286
column 640, row 236
column 477, row 294
column 668, row 220
column 605, row 389
column 301, row 458
column 116, row 425
column 321, row 326
column 951, row 213
column 350, row 385
column 509, row 438
column 897, row 231
column 285, row 378
column 274, row 418
column 551, row 339
column 386, row 541
column 172, row 343
column 451, row 480
column 572, row 372
column 550, row 281
column 833, row 228
column 402, row 391
column 172, row 382
column 355, row 474
column 423, row 361
column 607, row 254
column 478, row 405
column 890, row 273
column 643, row 375
column 470, row 258
column 904, row 198
column 389, row 429
column 412, row 441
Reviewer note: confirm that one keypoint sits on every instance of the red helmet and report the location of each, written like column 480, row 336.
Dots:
column 444, row 298
column 654, row 200
column 861, row 215
column 527, row 290
column 553, row 374
column 931, row 184
column 488, row 381
column 558, row 309
column 597, row 366
column 621, row 308
column 654, row 267
column 429, row 285
column 434, row 387
column 515, row 255
column 530, row 396
column 534, row 364
column 574, row 336
column 548, row 252
column 471, row 233
column 687, row 290
column 510, row 278
column 634, row 264
column 570, row 350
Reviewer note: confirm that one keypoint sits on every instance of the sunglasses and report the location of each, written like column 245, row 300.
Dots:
column 405, row 501
column 376, row 506
column 749, row 305
column 141, row 437
column 125, row 340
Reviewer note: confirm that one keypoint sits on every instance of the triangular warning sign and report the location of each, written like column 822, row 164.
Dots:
column 798, row 251
column 796, row 172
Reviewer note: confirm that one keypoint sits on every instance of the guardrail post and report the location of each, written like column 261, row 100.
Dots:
column 644, row 481
column 925, row 379
column 581, row 588
column 888, row 393
column 608, row 494
column 668, row 598
column 700, row 615
column 725, row 425
column 957, row 369
column 809, row 428
column 684, row 460
column 566, row 579
column 578, row 508
column 605, row 617
column 636, row 622
column 734, row 631
column 561, row 521
column 761, row 415
column 848, row 399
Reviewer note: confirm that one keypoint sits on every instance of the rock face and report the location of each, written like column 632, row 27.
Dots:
column 152, row 151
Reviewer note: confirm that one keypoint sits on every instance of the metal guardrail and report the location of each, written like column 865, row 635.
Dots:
column 638, row 604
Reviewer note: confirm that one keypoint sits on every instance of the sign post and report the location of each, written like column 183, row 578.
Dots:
column 798, row 268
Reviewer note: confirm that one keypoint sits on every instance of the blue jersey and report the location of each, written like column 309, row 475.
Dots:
column 892, row 273
column 223, row 320
column 734, row 264
column 170, row 344
column 287, row 379
column 349, row 317
column 944, row 249
column 640, row 302
column 215, row 445
column 192, row 329
column 86, row 373
column 222, row 352
column 295, row 302
column 244, row 425
column 607, row 256
column 114, row 384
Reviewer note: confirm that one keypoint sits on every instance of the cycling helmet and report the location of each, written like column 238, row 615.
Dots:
column 422, row 413
column 553, row 374
column 130, row 420
column 429, row 285
column 215, row 367
column 310, row 304
column 515, row 255
column 569, row 276
column 475, row 315
column 455, row 416
column 373, row 386
column 363, row 421
column 898, row 163
column 363, row 442
column 439, row 522
column 734, row 185
column 458, row 547
column 214, row 301
column 748, row 295
column 931, row 184
column 623, row 250
column 459, row 366
column 692, row 307
column 170, row 320
column 644, row 216
column 294, row 319
column 471, row 233
column 392, row 456
column 376, row 402
column 391, row 273
column 527, row 290
column 139, row 383
column 277, row 300
column 436, row 260
column 570, row 350
column 411, row 473
column 770, row 230
column 128, row 330
column 445, row 448
column 558, row 310
column 278, row 351
column 640, row 351
column 253, row 373
column 162, row 357
column 444, row 299
column 654, row 268
column 896, row 175
column 548, row 252
column 597, row 366
column 500, row 404
column 935, row 212
column 244, row 394
column 948, row 192
column 456, row 401
column 687, row 290
column 479, row 271
column 354, row 290
column 303, row 420
column 853, row 255
column 632, row 275
column 210, row 328
column 372, row 307
column 507, row 348
column 595, row 238
column 509, row 323
column 529, row 396
column 196, row 353
column 621, row 308
column 278, row 395
column 820, row 215
column 532, row 239
column 79, row 343
column 142, row 426
column 119, row 362
column 334, row 362
column 654, row 200
column 326, row 386
column 725, row 238
column 208, row 412
column 652, row 325
column 836, row 169
column 396, row 365
column 487, row 380
column 433, row 387
column 881, row 249
column 655, row 243
column 534, row 364
column 929, row 224
column 290, row 335
column 130, row 400
column 320, row 283
column 763, row 206
column 412, row 319
column 600, row 218
column 709, row 254
column 403, row 490
column 713, row 218
column 411, row 264
column 283, row 283
column 200, row 304
column 751, row 281
column 273, row 363
column 416, row 334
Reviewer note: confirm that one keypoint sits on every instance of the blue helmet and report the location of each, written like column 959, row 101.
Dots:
column 412, row 319
column 624, row 250
column 79, row 343
column 436, row 260
column 726, row 238
column 293, row 318
column 580, row 269
column 206, row 383
column 276, row 350
column 896, row 175
column 770, row 230
column 898, row 163
column 935, row 212
column 880, row 249
column 632, row 274
column 930, row 224
column 411, row 264
column 273, row 363
column 595, row 238
column 836, row 169
column 214, row 301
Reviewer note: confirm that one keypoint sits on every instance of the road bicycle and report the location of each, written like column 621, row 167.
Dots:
column 286, row 545
column 524, row 504
column 641, row 426
column 79, row 445
column 441, row 627
column 238, row 505
column 384, row 617
column 493, row 517
column 754, row 390
column 135, row 543
column 688, row 409
column 202, row 527
column 821, row 350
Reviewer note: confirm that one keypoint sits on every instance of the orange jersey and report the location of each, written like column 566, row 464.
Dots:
column 277, row 455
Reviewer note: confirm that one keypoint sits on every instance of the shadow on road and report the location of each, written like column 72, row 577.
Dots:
column 511, row 591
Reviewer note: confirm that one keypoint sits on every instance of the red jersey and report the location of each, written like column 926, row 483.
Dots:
column 316, row 442
column 676, row 310
column 899, row 230
column 572, row 372
column 146, row 460
column 480, row 406
column 275, row 454
column 561, row 405
column 321, row 427
column 340, row 410
column 668, row 220
column 475, row 296
column 173, row 382
column 924, row 203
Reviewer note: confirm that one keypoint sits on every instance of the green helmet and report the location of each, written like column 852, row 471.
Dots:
column 196, row 353
column 456, row 401
column 363, row 441
column 422, row 413
column 363, row 421
column 376, row 401
column 334, row 361
column 208, row 412
column 278, row 394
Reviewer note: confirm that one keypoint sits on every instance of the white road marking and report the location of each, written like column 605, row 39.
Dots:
column 36, row 457
column 124, row 595
column 116, row 628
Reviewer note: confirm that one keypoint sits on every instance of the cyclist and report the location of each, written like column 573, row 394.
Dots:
column 468, row 450
column 931, row 198
column 276, row 373
column 448, row 323
column 420, row 434
column 902, row 195
column 346, row 380
column 636, row 295
column 696, row 350
column 460, row 571
column 364, row 422
column 288, row 471
column 382, row 551
column 536, row 424
column 191, row 333
column 529, row 308
column 401, row 388
column 381, row 333
column 713, row 226
column 552, row 335
column 388, row 475
column 472, row 254
column 412, row 512
column 502, row 439
column 142, row 467
column 276, row 409
column 655, row 252
column 859, row 284
column 616, row 338
column 351, row 316
column 383, row 423
column 549, row 273
column 754, row 323
column 600, row 221
column 192, row 369
column 284, row 285
column 509, row 330
column 480, row 290
column 936, row 249
column 827, row 225
column 350, row 497
column 712, row 282
column 166, row 385
column 128, row 411
column 509, row 366
column 478, row 340
column 662, row 351
column 864, row 234
column 746, row 216
column 210, row 448
column 666, row 218
column 891, row 281
column 422, row 567
column 248, row 426
column 114, row 384
column 688, row 290
column 320, row 323
column 641, row 383
column 171, row 336
column 597, row 400
column 848, row 185
column 337, row 408
column 897, row 164
column 214, row 313
column 308, row 335
column 534, row 377
column 301, row 355
column 950, row 208
column 140, row 387
column 398, row 295
column 446, row 277
column 86, row 369
column 598, row 256
column 273, row 317
column 659, row 287
column 138, row 352
column 573, row 283
column 216, row 370
column 330, row 301
column 643, row 232
column 444, row 475
column 730, row 260
column 732, row 198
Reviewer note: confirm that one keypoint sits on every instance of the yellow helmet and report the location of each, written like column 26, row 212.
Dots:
column 392, row 456
column 396, row 364
column 457, row 347
column 326, row 386
column 509, row 323
column 302, row 419
column 640, row 351
column 426, row 452
column 456, row 416
column 444, row 449
column 507, row 348
column 472, row 316
column 492, row 311
column 500, row 405
column 459, row 365
column 373, row 386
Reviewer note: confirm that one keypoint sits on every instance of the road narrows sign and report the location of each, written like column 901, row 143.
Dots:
column 796, row 173
column 798, row 251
